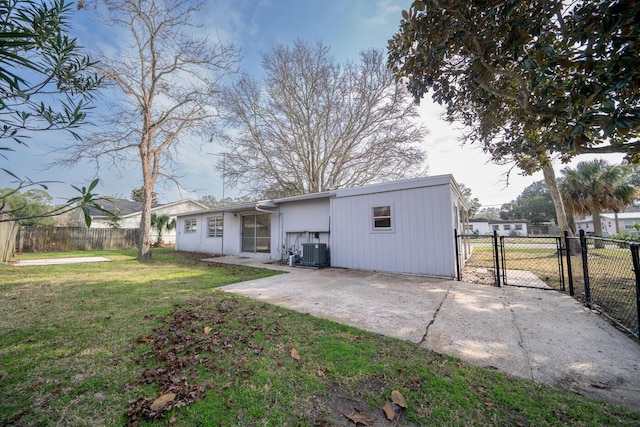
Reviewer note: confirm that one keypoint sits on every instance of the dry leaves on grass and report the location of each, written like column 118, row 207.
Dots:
column 180, row 349
column 295, row 354
column 360, row 418
column 394, row 408
column 162, row 401
column 389, row 411
column 398, row 399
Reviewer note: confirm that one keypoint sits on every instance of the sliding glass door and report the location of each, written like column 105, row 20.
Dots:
column 256, row 233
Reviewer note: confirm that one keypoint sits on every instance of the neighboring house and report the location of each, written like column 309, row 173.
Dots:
column 129, row 214
column 482, row 226
column 608, row 223
column 399, row 227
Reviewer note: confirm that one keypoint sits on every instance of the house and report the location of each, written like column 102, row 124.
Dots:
column 399, row 227
column 130, row 213
column 482, row 226
column 608, row 223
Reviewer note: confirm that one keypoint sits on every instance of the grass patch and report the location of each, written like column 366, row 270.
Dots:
column 85, row 344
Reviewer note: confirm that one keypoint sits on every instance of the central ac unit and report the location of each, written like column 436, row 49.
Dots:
column 314, row 254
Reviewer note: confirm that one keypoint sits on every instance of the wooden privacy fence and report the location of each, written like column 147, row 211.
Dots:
column 60, row 239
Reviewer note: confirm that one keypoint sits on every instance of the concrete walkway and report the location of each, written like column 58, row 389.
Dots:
column 52, row 261
column 540, row 335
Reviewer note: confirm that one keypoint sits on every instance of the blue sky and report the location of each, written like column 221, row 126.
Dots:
column 346, row 26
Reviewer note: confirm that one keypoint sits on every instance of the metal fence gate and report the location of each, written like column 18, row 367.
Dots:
column 530, row 262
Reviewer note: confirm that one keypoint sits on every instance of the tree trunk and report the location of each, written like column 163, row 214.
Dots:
column 558, row 204
column 597, row 228
column 144, row 246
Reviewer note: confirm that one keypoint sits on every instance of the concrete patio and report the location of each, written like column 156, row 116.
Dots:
column 541, row 335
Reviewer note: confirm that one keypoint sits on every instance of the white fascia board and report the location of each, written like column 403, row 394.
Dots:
column 234, row 208
column 429, row 181
column 311, row 196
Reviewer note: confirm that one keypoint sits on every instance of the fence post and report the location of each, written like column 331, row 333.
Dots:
column 585, row 269
column 455, row 241
column 567, row 245
column 636, row 269
column 496, row 263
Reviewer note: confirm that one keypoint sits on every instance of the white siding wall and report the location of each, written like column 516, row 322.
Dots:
column 199, row 240
column 421, row 241
column 232, row 233
column 299, row 223
column 308, row 215
column 232, row 237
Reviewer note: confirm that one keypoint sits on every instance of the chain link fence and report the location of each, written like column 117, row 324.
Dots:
column 604, row 274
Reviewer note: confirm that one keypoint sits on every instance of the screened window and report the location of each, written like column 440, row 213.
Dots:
column 215, row 226
column 190, row 225
column 382, row 218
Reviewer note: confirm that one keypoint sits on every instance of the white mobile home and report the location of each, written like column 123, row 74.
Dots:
column 481, row 226
column 398, row 227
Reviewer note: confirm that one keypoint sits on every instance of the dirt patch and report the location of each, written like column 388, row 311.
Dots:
column 478, row 275
column 338, row 409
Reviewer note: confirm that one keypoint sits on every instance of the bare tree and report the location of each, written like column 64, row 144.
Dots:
column 169, row 84
column 314, row 125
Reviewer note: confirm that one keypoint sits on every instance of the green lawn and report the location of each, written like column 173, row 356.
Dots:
column 96, row 344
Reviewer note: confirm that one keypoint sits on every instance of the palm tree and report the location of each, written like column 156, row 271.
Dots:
column 161, row 223
column 596, row 186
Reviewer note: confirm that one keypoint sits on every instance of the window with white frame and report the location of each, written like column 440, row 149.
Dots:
column 215, row 226
column 518, row 227
column 507, row 227
column 495, row 227
column 190, row 225
column 382, row 218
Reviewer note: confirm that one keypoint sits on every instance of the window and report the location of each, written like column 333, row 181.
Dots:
column 215, row 226
column 190, row 225
column 518, row 226
column 495, row 227
column 507, row 227
column 382, row 218
column 628, row 225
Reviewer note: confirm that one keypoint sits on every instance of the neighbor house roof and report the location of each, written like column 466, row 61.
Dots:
column 120, row 207
column 125, row 208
